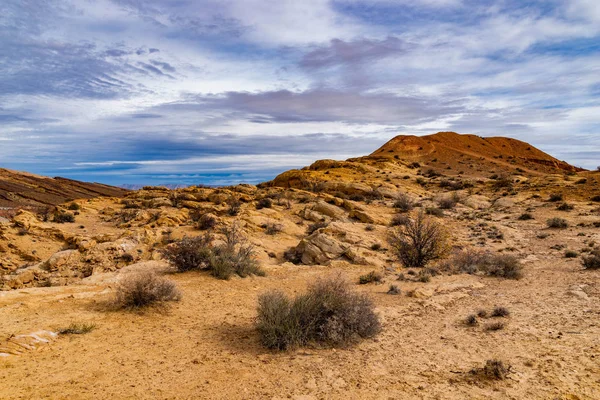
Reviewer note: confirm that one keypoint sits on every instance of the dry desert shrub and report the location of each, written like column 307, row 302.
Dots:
column 492, row 370
column 419, row 241
column 61, row 217
column 592, row 261
column 403, row 202
column 557, row 223
column 234, row 256
column 77, row 329
column 264, row 203
column 143, row 289
column 472, row 261
column 329, row 313
column 372, row 276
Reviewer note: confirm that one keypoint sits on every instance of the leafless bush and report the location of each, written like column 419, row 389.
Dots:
column 592, row 261
column 403, row 202
column 142, row 289
column 418, row 242
column 190, row 253
column 329, row 313
column 557, row 223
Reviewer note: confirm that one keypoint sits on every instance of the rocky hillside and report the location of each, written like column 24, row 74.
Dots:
column 21, row 189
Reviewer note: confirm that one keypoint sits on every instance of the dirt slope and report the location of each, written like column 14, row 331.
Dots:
column 19, row 189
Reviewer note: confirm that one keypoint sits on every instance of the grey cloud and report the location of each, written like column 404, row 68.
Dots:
column 340, row 52
column 327, row 105
column 165, row 66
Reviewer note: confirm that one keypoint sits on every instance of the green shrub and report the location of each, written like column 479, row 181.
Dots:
column 329, row 313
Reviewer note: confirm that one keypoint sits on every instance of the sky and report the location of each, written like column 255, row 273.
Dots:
column 226, row 91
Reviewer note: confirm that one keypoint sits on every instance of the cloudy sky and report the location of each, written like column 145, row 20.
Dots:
column 223, row 91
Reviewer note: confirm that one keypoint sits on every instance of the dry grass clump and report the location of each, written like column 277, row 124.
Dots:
column 525, row 217
column 234, row 256
column 495, row 326
column 61, row 217
column 418, row 242
column 372, row 276
column 76, row 329
column 565, row 207
column 403, row 203
column 143, row 289
column 272, row 228
column 329, row 314
column 393, row 290
column 492, row 370
column 264, row 203
column 556, row 197
column 592, row 261
column 473, row 261
column 557, row 223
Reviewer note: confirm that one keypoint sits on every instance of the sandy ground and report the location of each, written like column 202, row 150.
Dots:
column 205, row 346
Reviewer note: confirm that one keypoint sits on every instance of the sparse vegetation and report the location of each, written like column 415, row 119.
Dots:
column 234, row 256
column 525, row 217
column 143, row 289
column 473, row 261
column 571, row 254
column 62, row 217
column 206, row 222
column 492, row 370
column 557, row 223
column 76, row 329
column 393, row 289
column 556, row 197
column 565, row 207
column 264, row 203
column 272, row 228
column 494, row 326
column 418, row 242
column 500, row 312
column 372, row 276
column 471, row 320
column 403, row 203
column 329, row 313
column 74, row 207
column 592, row 261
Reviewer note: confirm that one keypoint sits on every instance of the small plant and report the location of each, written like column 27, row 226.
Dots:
column 500, row 312
column 436, row 212
column 61, row 217
column 74, row 207
column 492, row 370
column 504, row 266
column 482, row 313
column 329, row 313
column 206, row 222
column 565, row 207
column 399, row 220
column 272, row 228
column 525, row 217
column 316, row 226
column 592, row 261
column 77, row 329
column 403, row 203
column 596, row 198
column 143, row 289
column 556, row 197
column 394, row 289
column 190, row 253
column 471, row 320
column 494, row 326
column 557, row 223
column 264, row 203
column 571, row 254
column 447, row 203
column 292, row 255
column 369, row 228
column 418, row 242
column 376, row 246
column 372, row 276
column 234, row 205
